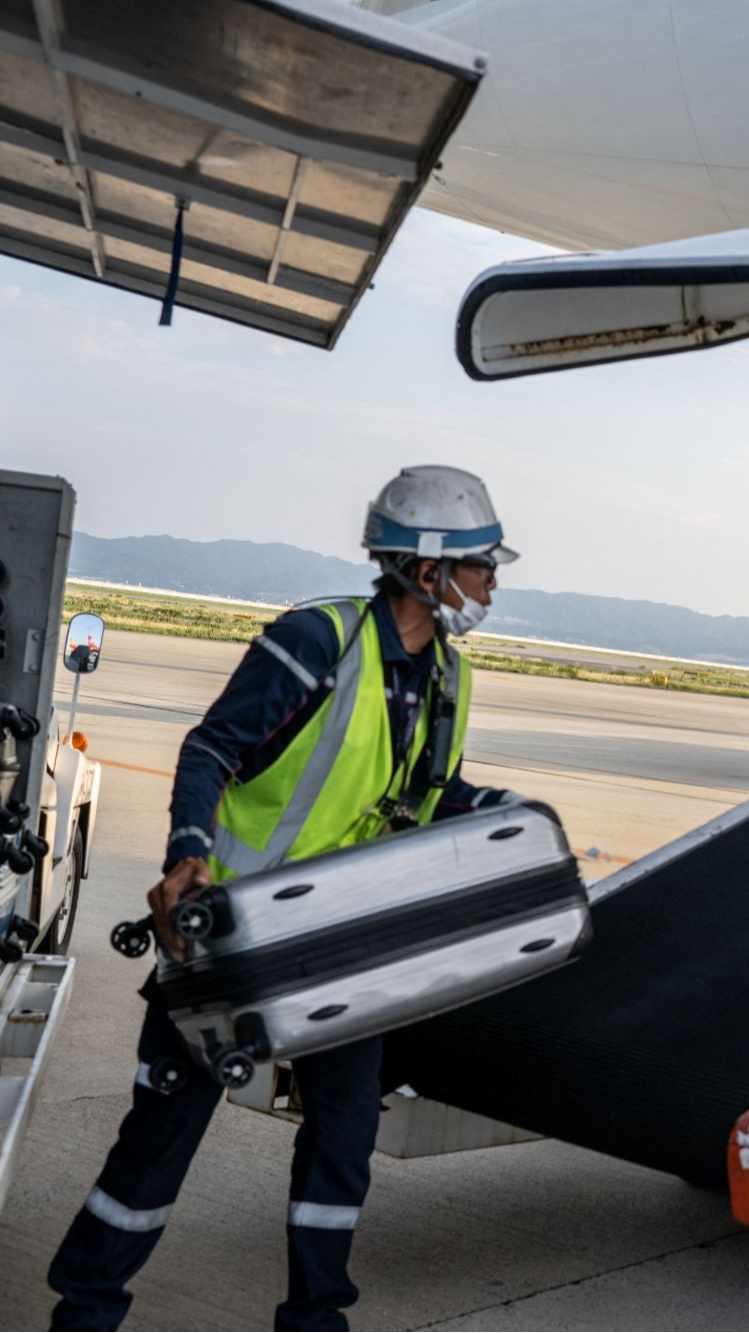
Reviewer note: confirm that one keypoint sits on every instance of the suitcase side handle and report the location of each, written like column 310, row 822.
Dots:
column 294, row 891
column 509, row 832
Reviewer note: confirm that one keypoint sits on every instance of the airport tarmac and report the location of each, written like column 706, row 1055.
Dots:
column 629, row 768
column 540, row 1235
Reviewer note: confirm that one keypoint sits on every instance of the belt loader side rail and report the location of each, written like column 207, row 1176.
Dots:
column 34, row 994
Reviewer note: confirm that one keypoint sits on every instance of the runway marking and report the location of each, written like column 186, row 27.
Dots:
column 602, row 856
column 136, row 768
column 162, row 773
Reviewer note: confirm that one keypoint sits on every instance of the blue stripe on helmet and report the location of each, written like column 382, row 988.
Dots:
column 384, row 534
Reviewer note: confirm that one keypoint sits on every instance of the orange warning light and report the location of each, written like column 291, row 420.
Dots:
column 738, row 1169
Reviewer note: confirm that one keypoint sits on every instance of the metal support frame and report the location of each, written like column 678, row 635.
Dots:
column 351, row 150
column 135, row 232
column 127, row 107
column 288, row 218
column 39, row 137
column 33, row 999
column 49, row 23
column 149, row 282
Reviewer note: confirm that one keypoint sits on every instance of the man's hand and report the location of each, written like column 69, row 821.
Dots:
column 187, row 876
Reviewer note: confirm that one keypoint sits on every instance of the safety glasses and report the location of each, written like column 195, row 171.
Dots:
column 486, row 563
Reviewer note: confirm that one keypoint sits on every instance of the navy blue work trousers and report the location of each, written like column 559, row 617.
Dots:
column 125, row 1214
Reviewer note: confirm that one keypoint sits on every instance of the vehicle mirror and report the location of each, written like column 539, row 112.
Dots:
column 83, row 643
column 527, row 317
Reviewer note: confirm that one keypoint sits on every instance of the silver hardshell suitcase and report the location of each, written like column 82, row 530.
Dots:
column 319, row 952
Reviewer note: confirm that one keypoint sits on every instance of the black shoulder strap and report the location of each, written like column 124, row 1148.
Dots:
column 432, row 765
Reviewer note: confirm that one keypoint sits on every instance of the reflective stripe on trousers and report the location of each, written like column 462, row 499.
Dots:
column 118, row 1215
column 322, row 1216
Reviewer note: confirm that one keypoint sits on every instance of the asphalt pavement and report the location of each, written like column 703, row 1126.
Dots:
column 538, row 1235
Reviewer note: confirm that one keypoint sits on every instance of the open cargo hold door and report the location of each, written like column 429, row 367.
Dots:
column 288, row 139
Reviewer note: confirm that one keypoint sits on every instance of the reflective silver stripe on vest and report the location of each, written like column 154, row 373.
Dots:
column 323, row 1216
column 118, row 1215
column 451, row 687
column 298, row 670
column 244, row 860
column 236, row 855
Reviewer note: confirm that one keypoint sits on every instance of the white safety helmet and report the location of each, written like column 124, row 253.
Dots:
column 435, row 512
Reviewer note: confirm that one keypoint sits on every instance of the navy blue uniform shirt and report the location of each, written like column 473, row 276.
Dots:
column 267, row 701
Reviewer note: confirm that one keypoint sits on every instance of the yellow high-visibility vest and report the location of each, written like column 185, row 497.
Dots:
column 336, row 782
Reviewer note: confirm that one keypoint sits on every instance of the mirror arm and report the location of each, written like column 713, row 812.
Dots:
column 73, row 703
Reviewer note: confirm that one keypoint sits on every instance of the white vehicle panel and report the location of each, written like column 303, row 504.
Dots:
column 70, row 773
column 92, row 802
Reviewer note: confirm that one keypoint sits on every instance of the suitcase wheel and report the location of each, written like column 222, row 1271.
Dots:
column 191, row 919
column 233, row 1068
column 131, row 938
column 168, row 1074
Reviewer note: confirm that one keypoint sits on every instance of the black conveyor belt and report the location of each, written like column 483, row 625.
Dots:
column 639, row 1050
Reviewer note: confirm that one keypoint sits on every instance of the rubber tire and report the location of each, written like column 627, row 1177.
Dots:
column 58, row 937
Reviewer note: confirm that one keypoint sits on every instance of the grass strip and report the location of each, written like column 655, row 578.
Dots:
column 150, row 613
column 735, row 684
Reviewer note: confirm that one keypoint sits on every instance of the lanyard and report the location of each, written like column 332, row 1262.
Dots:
column 403, row 717
column 403, row 723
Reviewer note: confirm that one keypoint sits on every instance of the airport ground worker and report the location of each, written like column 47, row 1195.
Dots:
column 343, row 720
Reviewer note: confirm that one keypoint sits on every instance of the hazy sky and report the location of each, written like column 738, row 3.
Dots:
column 628, row 481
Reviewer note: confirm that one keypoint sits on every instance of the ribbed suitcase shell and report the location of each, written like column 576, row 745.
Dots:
column 363, row 939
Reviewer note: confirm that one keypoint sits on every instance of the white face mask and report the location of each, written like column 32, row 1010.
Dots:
column 458, row 620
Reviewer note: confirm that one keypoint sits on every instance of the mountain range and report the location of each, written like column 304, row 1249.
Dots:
column 277, row 572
